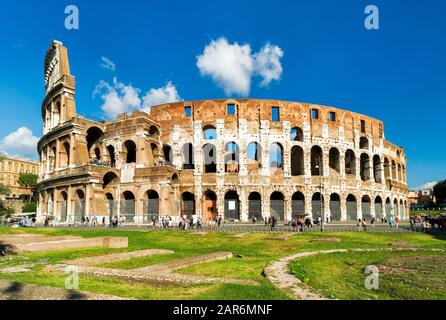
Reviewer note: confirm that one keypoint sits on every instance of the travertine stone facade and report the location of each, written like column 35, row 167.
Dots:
column 236, row 158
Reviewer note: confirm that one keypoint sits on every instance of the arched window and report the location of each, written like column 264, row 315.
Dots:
column 93, row 137
column 277, row 205
column 363, row 143
column 254, row 155
column 276, row 155
column 167, row 152
column 231, row 157
column 316, row 161
column 387, row 169
column 154, row 132
column 296, row 134
column 350, row 162
column 188, row 156
column 111, row 154
column 365, row 167
column 65, row 155
column 377, row 168
column 210, row 158
column 334, row 161
column 110, row 178
column 297, row 161
column 129, row 151
column 128, row 206
column 209, row 133
column 352, row 209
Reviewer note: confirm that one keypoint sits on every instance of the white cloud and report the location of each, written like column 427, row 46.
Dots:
column 232, row 66
column 118, row 97
column 268, row 65
column 21, row 143
column 121, row 98
column 165, row 94
column 106, row 63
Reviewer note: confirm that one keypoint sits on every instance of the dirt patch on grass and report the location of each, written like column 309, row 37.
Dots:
column 18, row 291
column 402, row 244
column 417, row 264
column 327, row 240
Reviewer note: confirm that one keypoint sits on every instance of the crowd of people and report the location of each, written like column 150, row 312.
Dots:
column 102, row 163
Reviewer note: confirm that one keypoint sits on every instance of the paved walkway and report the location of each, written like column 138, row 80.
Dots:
column 159, row 273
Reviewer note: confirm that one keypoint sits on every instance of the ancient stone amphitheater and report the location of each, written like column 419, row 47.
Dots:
column 236, row 158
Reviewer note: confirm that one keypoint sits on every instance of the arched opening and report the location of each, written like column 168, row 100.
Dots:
column 231, row 157
column 276, row 155
column 399, row 173
column 334, row 161
column 232, row 206
column 110, row 179
column 254, row 156
column 56, row 114
column 79, row 205
column 401, row 210
column 366, row 208
column 297, row 161
column 296, row 134
column 210, row 158
column 155, row 154
column 111, row 155
column 128, row 206
column 335, row 207
column 388, row 211
column 298, row 204
column 387, row 168
column 187, row 204
column 395, row 208
column 255, row 205
column 167, row 153
column 394, row 175
column 317, row 205
column 352, row 208
column 209, row 205
column 209, row 133
column 64, row 156
column 188, row 156
column 377, row 169
column 151, row 205
column 53, row 161
column 62, row 206
column 277, row 205
column 316, row 161
column 350, row 162
column 378, row 206
column 97, row 153
column 94, row 136
column 110, row 206
column 364, row 143
column 175, row 179
column 129, row 151
column 365, row 167
column 154, row 132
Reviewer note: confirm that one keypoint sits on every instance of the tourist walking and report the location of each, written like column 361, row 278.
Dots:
column 397, row 222
column 364, row 225
column 391, row 221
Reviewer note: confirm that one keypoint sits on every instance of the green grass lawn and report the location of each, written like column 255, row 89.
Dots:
column 251, row 254
column 403, row 275
column 414, row 213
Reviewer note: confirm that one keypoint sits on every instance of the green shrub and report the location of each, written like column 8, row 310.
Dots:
column 29, row 207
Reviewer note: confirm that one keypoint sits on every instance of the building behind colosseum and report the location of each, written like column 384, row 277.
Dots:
column 236, row 158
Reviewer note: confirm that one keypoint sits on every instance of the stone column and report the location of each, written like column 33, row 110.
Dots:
column 308, row 205
column 325, row 164
column 372, row 209
column 87, row 200
column 244, row 215
column 342, row 166
column 358, row 208
column 343, row 204
column 71, row 156
column 327, row 211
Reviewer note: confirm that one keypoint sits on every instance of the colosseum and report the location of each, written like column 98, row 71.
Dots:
column 235, row 158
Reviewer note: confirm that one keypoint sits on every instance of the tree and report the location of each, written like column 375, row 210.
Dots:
column 4, row 190
column 440, row 191
column 5, row 212
column 28, row 180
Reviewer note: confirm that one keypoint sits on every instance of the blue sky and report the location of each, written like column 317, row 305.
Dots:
column 396, row 74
